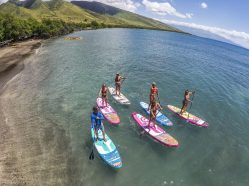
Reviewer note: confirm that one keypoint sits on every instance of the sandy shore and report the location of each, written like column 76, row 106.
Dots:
column 12, row 58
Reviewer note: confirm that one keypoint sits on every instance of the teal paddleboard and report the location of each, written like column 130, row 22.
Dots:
column 107, row 150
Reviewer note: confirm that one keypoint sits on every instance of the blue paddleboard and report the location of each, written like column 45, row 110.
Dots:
column 160, row 118
column 107, row 150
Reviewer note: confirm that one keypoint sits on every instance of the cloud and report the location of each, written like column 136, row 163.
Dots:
column 3, row 1
column 237, row 37
column 164, row 9
column 204, row 5
column 189, row 15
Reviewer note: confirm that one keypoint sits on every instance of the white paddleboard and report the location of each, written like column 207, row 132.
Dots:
column 121, row 99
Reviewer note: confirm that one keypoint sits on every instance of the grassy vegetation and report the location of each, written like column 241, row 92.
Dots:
column 37, row 18
column 15, row 28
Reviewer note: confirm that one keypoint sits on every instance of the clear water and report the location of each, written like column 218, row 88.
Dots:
column 54, row 95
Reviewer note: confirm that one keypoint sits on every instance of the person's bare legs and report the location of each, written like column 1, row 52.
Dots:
column 96, row 134
column 118, row 90
column 183, row 109
column 105, row 100
column 103, row 133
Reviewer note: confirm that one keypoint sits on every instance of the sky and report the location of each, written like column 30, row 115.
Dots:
column 228, row 19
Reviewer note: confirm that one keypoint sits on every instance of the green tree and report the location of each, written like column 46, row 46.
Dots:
column 1, row 28
column 94, row 24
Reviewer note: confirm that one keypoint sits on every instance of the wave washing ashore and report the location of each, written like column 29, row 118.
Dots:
column 46, row 132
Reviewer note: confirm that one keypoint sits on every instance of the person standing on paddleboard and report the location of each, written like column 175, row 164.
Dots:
column 97, row 122
column 153, row 93
column 186, row 101
column 118, row 80
column 154, row 107
column 104, row 95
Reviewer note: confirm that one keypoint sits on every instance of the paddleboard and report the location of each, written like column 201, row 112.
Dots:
column 155, row 131
column 160, row 118
column 121, row 99
column 189, row 117
column 107, row 150
column 108, row 112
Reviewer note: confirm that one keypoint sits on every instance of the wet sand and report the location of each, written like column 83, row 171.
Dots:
column 12, row 59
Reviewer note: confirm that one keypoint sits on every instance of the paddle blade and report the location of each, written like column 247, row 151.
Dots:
column 91, row 157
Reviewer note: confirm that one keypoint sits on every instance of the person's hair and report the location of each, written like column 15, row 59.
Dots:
column 95, row 109
column 186, row 92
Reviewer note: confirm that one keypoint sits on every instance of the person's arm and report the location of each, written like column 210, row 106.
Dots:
column 188, row 98
column 100, row 116
column 93, row 120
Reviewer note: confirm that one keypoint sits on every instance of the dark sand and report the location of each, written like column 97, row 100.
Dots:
column 12, row 60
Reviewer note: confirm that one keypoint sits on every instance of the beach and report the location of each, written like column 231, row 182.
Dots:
column 12, row 61
column 12, row 58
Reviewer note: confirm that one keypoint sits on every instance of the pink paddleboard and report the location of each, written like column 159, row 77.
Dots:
column 189, row 117
column 109, row 113
column 154, row 131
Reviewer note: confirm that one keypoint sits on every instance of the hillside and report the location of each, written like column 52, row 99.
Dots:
column 80, row 11
column 43, row 19
column 55, row 9
column 125, row 17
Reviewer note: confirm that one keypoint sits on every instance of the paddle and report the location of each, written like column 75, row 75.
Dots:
column 193, row 95
column 124, row 78
column 158, row 98
column 91, row 157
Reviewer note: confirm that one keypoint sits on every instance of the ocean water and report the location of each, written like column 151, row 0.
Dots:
column 52, row 100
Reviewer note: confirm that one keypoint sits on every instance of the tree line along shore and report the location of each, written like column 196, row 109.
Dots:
column 13, row 28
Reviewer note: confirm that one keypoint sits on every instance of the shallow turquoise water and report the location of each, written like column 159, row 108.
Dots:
column 66, row 79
